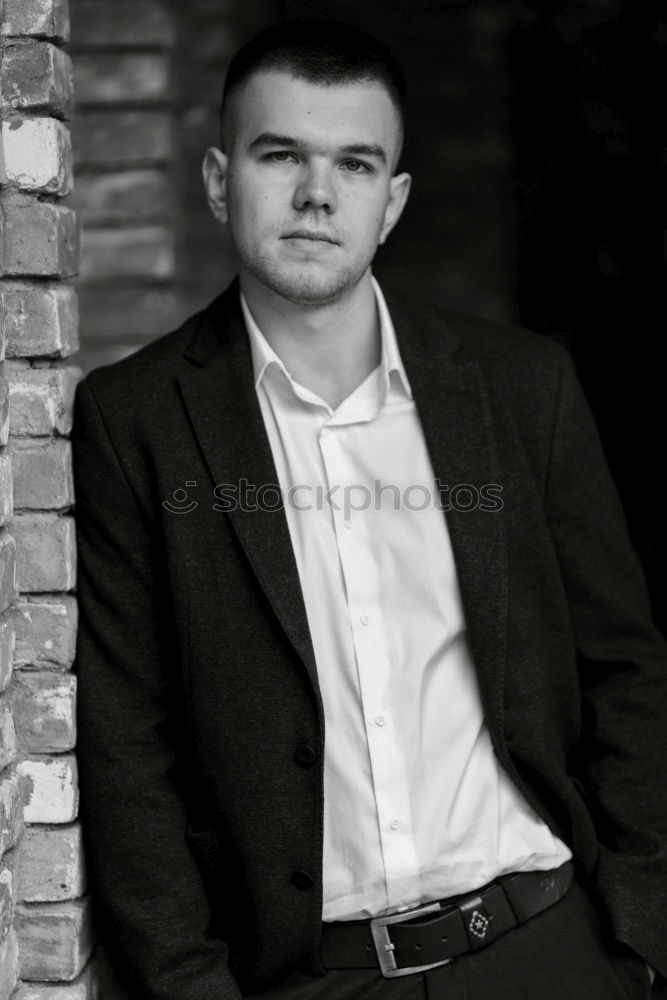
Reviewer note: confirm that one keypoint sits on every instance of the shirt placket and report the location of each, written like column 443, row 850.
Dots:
column 374, row 670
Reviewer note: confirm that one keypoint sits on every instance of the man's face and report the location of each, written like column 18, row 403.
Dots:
column 306, row 182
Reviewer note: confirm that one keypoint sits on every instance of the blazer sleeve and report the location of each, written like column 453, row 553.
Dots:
column 623, row 678
column 152, row 909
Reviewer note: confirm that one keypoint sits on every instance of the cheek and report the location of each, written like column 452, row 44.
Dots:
column 257, row 209
column 369, row 204
column 245, row 216
column 368, row 217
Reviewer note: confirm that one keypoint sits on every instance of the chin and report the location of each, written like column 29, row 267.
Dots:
column 308, row 289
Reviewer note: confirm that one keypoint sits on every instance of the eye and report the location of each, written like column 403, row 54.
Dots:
column 356, row 167
column 281, row 156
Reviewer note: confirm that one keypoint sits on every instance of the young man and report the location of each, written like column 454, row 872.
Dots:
column 425, row 686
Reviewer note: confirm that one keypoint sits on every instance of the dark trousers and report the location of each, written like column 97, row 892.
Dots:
column 564, row 953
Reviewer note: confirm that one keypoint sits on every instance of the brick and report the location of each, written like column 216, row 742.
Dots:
column 41, row 400
column 9, row 964
column 84, row 987
column 42, row 472
column 45, row 632
column 51, row 864
column 38, row 155
column 55, row 939
column 142, row 311
column 122, row 78
column 52, row 788
column 7, row 732
column 113, row 138
column 7, row 891
column 147, row 251
column 41, row 240
column 125, row 197
column 6, row 487
column 7, row 642
column 44, row 711
column 40, row 321
column 8, row 581
column 38, row 18
column 11, row 809
column 36, row 76
column 45, row 552
column 122, row 23
column 4, row 409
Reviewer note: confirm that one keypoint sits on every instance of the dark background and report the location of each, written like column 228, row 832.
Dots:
column 535, row 142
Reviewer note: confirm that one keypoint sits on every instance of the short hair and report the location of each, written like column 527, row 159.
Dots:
column 321, row 51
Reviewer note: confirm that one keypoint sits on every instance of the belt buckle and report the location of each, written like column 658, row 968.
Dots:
column 384, row 947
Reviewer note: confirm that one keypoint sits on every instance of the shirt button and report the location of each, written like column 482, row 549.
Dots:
column 364, row 619
column 380, row 720
column 394, row 824
column 301, row 880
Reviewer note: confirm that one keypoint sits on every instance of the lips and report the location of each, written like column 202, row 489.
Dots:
column 310, row 234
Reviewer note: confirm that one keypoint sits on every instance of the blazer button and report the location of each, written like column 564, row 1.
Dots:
column 302, row 880
column 304, row 755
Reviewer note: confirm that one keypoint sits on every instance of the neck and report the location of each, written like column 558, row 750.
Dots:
column 330, row 349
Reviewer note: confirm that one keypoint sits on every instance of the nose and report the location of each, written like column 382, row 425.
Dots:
column 315, row 189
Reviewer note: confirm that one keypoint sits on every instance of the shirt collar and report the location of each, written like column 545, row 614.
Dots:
column 391, row 358
column 263, row 354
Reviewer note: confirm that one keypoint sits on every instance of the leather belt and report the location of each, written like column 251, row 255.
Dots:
column 427, row 936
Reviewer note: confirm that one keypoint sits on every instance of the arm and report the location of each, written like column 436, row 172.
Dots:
column 153, row 911
column 623, row 677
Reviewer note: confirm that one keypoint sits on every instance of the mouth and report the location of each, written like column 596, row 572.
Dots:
column 314, row 235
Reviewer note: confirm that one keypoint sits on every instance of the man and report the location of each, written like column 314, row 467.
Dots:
column 369, row 700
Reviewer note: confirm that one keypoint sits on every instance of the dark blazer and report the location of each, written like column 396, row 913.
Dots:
column 198, row 685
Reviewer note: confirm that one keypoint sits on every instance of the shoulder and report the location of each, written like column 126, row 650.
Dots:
column 150, row 366
column 135, row 401
column 497, row 343
column 491, row 342
column 145, row 384
column 513, row 361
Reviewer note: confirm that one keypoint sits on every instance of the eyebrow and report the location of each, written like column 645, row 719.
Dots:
column 289, row 142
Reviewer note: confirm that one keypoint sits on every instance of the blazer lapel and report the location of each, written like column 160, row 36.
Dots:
column 453, row 406
column 219, row 395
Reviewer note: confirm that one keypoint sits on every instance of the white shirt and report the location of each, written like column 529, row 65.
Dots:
column 416, row 805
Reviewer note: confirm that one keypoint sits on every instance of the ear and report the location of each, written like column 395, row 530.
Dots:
column 214, row 169
column 399, row 189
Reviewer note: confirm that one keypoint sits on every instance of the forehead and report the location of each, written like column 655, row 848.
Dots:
column 275, row 101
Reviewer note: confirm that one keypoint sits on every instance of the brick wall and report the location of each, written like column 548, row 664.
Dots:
column 209, row 32
column 45, row 931
column 124, row 151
